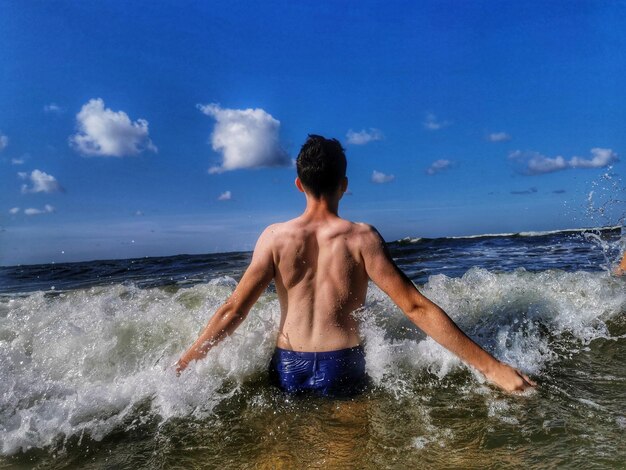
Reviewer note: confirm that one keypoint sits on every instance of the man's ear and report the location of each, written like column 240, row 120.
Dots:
column 344, row 184
column 299, row 184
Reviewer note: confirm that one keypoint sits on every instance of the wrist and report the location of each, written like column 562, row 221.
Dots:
column 490, row 367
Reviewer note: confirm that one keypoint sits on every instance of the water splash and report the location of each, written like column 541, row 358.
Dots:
column 606, row 205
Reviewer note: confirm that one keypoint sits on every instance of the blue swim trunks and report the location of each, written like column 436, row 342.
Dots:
column 338, row 373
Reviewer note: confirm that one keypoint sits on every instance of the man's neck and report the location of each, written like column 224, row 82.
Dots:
column 321, row 208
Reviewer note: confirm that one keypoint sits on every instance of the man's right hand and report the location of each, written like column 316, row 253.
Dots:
column 509, row 379
column 180, row 366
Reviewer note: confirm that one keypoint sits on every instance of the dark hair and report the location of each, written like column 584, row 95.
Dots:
column 321, row 164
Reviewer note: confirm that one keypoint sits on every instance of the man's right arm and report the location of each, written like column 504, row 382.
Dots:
column 232, row 313
column 430, row 318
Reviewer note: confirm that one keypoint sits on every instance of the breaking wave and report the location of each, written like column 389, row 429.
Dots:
column 90, row 362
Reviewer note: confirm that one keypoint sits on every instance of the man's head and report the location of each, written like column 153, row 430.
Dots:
column 321, row 165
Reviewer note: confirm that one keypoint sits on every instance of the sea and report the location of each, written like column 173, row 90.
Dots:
column 86, row 355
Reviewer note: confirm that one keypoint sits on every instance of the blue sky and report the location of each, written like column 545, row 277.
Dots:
column 133, row 129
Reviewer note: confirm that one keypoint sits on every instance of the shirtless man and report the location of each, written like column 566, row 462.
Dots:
column 321, row 265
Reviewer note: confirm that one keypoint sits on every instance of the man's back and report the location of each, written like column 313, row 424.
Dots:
column 320, row 279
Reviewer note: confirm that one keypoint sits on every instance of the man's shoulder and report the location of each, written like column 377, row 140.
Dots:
column 281, row 227
column 363, row 235
column 278, row 231
column 272, row 230
column 363, row 229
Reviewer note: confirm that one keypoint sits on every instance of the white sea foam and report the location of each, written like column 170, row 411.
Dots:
column 81, row 361
column 84, row 361
column 516, row 315
column 539, row 233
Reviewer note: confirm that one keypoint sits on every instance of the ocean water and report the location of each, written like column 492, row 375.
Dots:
column 86, row 351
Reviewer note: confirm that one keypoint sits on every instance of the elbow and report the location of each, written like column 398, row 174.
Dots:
column 238, row 315
column 414, row 311
column 418, row 310
column 231, row 313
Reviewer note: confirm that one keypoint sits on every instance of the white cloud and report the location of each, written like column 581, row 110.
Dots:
column 53, row 108
column 246, row 138
column 14, row 210
column 106, row 133
column 433, row 124
column 600, row 159
column 225, row 196
column 20, row 160
column 499, row 137
column 438, row 166
column 41, row 182
column 4, row 141
column 48, row 209
column 534, row 163
column 379, row 178
column 364, row 136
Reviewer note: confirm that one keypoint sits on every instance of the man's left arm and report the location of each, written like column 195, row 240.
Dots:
column 431, row 319
column 232, row 312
